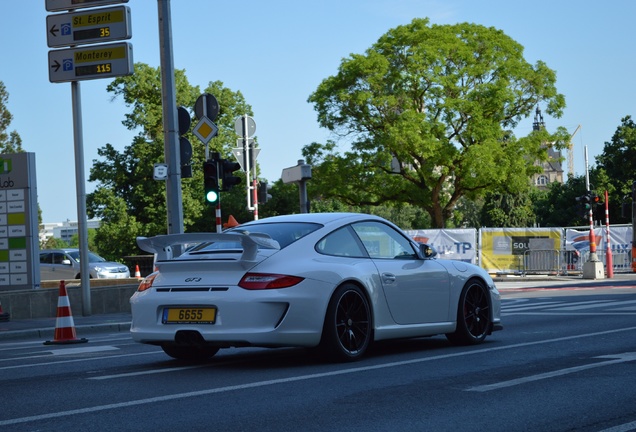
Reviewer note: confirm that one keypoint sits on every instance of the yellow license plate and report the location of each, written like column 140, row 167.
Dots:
column 190, row 315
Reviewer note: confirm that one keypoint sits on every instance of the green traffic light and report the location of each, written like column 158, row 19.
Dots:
column 212, row 196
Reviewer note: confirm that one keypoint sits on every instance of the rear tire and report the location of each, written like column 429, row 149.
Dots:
column 473, row 315
column 347, row 332
column 190, row 353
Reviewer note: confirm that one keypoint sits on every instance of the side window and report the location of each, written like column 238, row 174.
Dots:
column 46, row 258
column 383, row 241
column 340, row 243
column 58, row 258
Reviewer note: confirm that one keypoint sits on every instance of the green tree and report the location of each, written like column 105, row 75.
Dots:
column 10, row 142
column 508, row 210
column 53, row 243
column 427, row 113
column 127, row 199
column 617, row 164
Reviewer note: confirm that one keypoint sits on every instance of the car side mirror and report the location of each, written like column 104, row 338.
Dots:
column 427, row 250
column 66, row 262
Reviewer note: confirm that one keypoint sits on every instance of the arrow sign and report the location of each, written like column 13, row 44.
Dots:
column 100, row 61
column 96, row 25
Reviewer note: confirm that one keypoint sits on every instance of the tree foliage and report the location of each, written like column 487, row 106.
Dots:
column 10, row 141
column 508, row 210
column 617, row 165
column 427, row 113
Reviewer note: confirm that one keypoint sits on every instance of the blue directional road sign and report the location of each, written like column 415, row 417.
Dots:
column 98, row 61
column 85, row 27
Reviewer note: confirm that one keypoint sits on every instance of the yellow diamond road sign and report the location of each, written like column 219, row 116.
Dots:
column 205, row 130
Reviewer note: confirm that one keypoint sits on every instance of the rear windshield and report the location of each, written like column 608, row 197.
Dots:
column 284, row 233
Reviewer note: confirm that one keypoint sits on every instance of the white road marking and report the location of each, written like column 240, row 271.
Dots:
column 70, row 361
column 626, row 427
column 83, row 350
column 148, row 372
column 618, row 358
column 257, row 384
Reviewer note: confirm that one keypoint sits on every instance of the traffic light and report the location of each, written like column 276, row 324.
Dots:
column 185, row 148
column 595, row 199
column 598, row 208
column 585, row 204
column 263, row 195
column 227, row 174
column 211, row 181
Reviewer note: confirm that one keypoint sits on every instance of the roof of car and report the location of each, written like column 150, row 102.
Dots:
column 322, row 218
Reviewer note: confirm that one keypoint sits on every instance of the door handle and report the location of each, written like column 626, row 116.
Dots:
column 388, row 278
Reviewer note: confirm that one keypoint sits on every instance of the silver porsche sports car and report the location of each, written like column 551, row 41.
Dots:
column 335, row 281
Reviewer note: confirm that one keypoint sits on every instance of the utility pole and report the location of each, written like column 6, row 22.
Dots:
column 170, row 121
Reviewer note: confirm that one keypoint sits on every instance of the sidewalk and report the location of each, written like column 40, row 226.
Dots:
column 44, row 328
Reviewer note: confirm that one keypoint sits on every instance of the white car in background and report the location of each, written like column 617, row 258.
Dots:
column 63, row 264
column 336, row 281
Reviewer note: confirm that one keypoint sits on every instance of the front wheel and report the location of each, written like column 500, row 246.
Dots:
column 347, row 330
column 473, row 315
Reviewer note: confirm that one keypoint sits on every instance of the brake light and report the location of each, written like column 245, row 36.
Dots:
column 261, row 281
column 147, row 282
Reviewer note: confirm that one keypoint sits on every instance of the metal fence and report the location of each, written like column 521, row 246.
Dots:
column 568, row 262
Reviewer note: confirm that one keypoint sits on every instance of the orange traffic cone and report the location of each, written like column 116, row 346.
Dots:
column 64, row 325
column 231, row 222
column 4, row 316
column 137, row 272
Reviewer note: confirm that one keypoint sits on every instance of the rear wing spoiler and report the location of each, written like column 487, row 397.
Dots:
column 162, row 245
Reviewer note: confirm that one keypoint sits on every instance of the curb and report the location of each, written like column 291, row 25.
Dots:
column 48, row 333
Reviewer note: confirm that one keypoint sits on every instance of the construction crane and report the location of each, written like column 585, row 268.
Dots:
column 571, row 153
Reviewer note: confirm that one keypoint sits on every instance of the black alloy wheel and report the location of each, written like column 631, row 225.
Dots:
column 473, row 315
column 347, row 331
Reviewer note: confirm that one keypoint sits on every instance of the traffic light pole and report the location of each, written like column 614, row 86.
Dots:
column 608, row 251
column 219, row 219
column 592, row 268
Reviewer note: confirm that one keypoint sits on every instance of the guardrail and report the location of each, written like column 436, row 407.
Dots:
column 568, row 262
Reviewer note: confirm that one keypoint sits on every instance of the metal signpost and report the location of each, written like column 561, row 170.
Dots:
column 245, row 126
column 206, row 109
column 91, row 62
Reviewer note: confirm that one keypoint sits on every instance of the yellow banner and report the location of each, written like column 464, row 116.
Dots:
column 502, row 249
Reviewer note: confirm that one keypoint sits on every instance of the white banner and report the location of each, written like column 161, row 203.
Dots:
column 620, row 239
column 458, row 244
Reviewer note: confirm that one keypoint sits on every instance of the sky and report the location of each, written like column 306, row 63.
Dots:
column 277, row 52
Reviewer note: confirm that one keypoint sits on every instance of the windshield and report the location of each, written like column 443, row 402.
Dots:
column 92, row 257
column 284, row 233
